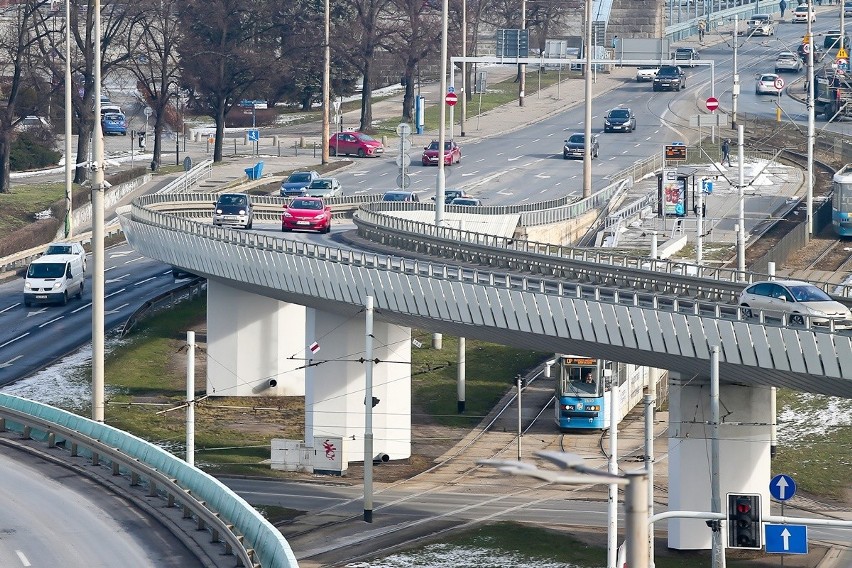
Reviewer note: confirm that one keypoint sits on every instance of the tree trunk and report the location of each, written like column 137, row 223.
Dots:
column 220, row 132
column 84, row 133
column 158, row 139
column 366, row 98
column 408, row 98
column 5, row 149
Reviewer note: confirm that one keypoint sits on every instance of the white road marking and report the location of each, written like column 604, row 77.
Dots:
column 51, row 321
column 10, row 307
column 114, row 293
column 360, row 173
column 9, row 362
column 22, row 558
column 11, row 341
column 137, row 259
column 81, row 308
column 36, row 312
column 473, row 173
column 513, row 159
column 111, row 280
column 537, row 139
column 120, row 254
column 542, row 176
column 116, row 310
column 146, row 280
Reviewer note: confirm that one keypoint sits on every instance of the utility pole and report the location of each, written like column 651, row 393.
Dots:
column 741, row 197
column 464, row 69
column 98, row 283
column 326, row 84
column 810, row 169
column 587, row 130
column 718, row 546
column 69, row 163
column 522, row 67
column 735, row 90
column 368, row 410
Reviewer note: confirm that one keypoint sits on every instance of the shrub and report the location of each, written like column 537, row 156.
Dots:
column 33, row 149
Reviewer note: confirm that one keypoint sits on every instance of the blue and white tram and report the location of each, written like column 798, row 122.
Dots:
column 583, row 393
column 841, row 202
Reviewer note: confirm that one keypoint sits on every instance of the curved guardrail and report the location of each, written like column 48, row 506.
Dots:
column 227, row 516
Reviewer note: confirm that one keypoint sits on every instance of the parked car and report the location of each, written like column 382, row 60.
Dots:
column 760, row 25
column 74, row 249
column 452, row 153
column 802, row 12
column 788, row 61
column 686, row 56
column 646, row 73
column 575, row 146
column 671, row 77
column 308, row 213
column 114, row 123
column 354, row 143
column 296, row 183
column 467, row 201
column 324, row 187
column 765, row 84
column 233, row 210
column 620, row 118
column 397, row 195
column 31, row 122
column 795, row 299
column 831, row 40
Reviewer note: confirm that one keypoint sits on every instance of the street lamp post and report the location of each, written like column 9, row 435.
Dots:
column 587, row 131
column 326, row 84
column 69, row 163
column 98, row 282
column 635, row 493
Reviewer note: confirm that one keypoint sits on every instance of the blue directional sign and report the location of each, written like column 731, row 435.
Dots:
column 253, row 135
column 782, row 487
column 786, row 539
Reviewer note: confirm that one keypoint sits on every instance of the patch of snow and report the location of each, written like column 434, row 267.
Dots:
column 450, row 556
column 824, row 413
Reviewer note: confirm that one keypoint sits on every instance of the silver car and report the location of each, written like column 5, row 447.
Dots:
column 788, row 61
column 233, row 210
column 324, row 187
column 796, row 300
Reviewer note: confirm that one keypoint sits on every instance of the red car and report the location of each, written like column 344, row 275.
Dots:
column 357, row 143
column 308, row 213
column 452, row 153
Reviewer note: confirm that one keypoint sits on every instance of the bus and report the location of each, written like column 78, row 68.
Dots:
column 583, row 392
column 841, row 202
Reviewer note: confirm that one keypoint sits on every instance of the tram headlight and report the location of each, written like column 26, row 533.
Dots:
column 595, row 407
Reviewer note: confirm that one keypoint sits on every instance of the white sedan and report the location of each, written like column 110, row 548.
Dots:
column 646, row 73
column 768, row 84
column 795, row 299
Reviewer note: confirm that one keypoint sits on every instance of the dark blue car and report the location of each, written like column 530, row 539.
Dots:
column 114, row 123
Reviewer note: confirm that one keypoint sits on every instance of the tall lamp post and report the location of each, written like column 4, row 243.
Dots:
column 523, row 68
column 635, row 493
column 326, row 80
column 69, row 163
column 98, row 300
column 587, row 131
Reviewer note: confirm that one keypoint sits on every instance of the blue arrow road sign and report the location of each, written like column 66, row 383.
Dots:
column 253, row 135
column 787, row 539
column 782, row 487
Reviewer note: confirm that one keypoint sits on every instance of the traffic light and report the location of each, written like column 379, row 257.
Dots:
column 744, row 521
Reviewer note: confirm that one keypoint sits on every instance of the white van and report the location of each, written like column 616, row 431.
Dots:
column 54, row 279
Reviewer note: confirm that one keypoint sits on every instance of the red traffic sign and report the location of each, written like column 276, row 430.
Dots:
column 779, row 83
column 712, row 104
column 451, row 99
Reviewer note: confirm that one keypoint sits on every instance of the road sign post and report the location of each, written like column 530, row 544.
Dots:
column 712, row 104
column 786, row 539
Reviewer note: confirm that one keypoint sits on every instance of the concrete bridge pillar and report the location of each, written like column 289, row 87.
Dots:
column 250, row 339
column 744, row 451
column 335, row 383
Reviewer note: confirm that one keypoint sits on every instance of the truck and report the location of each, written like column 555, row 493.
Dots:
column 832, row 94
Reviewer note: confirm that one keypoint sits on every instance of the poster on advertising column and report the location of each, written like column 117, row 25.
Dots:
column 673, row 192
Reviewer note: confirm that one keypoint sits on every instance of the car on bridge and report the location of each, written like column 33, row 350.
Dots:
column 795, row 299
column 233, row 210
column 803, row 12
column 306, row 213
column 296, row 183
column 575, row 146
column 686, row 56
column 467, row 201
column 399, row 195
column 324, row 187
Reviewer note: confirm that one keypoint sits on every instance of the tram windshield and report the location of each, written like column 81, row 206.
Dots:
column 580, row 377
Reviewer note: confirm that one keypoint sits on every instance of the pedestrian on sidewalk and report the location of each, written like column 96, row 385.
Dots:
column 726, row 151
column 614, row 42
column 783, row 6
column 702, row 27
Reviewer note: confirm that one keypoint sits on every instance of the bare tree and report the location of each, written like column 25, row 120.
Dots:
column 152, row 43
column 417, row 40
column 225, row 49
column 375, row 25
column 18, row 47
